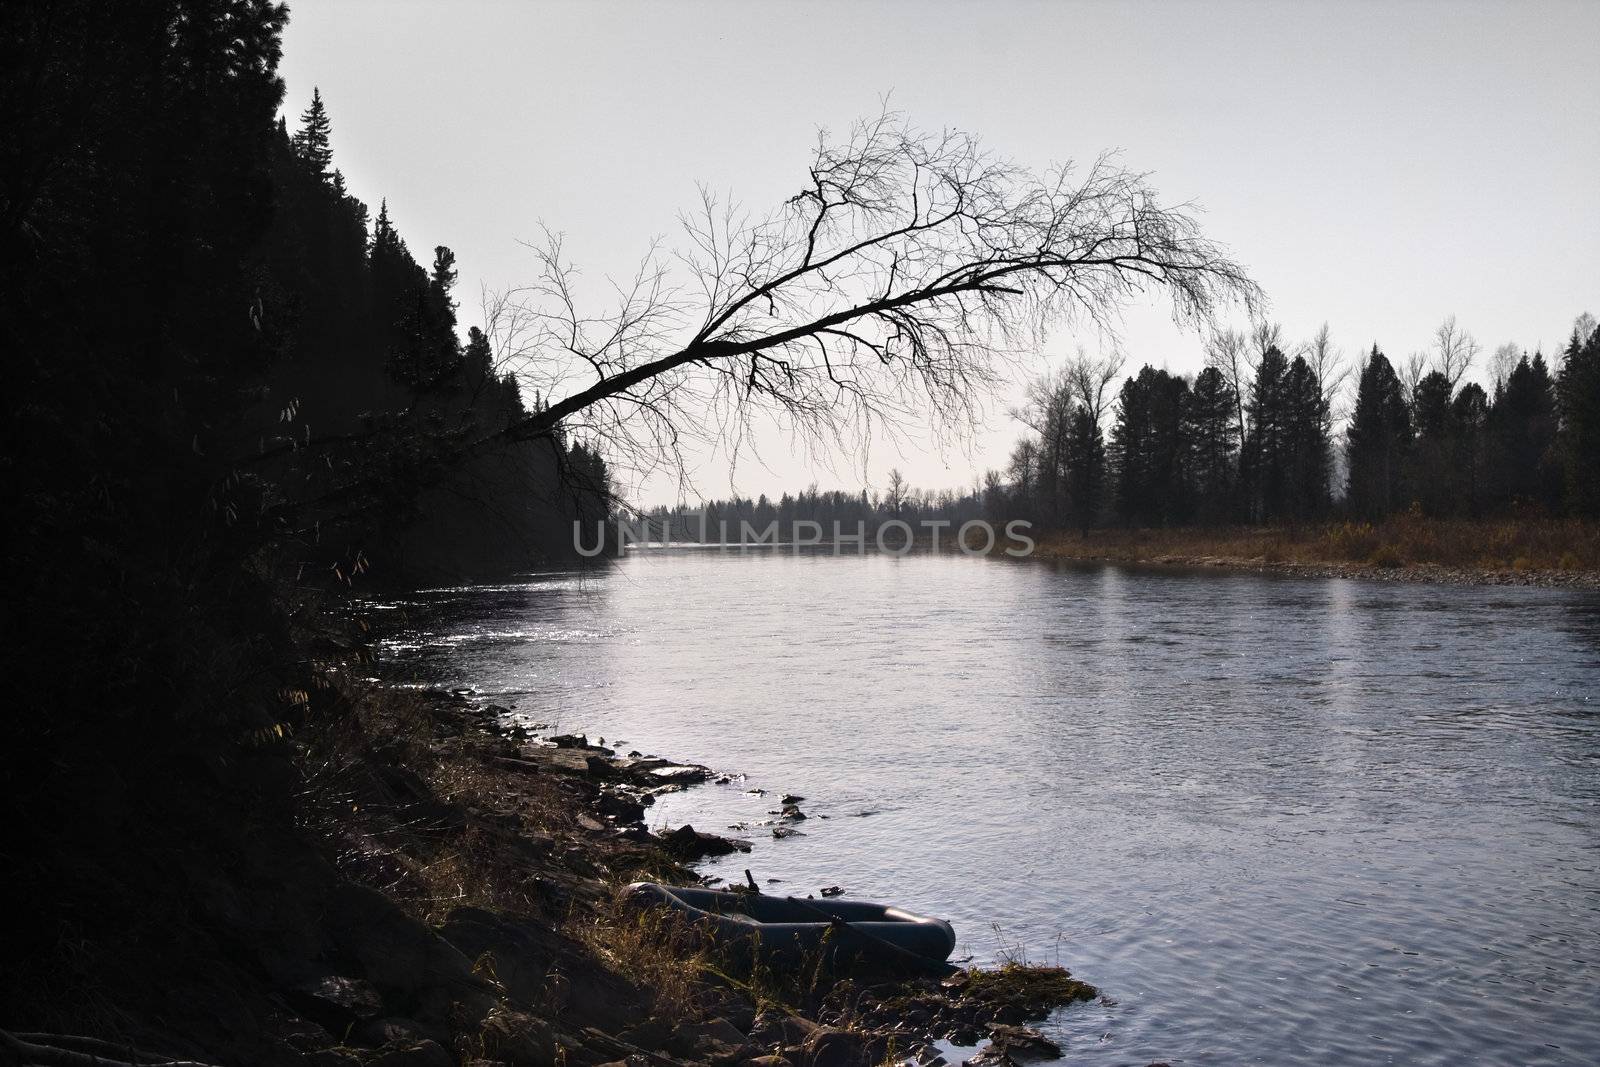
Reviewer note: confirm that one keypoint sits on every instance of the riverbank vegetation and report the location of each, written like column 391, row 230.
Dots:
column 1526, row 549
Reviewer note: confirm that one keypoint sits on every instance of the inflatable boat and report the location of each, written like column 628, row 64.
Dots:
column 799, row 928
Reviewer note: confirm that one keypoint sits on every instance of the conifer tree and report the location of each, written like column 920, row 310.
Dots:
column 313, row 142
column 1431, row 473
column 1085, row 468
column 1523, row 424
column 1469, row 417
column 1379, row 440
column 1265, row 452
column 1211, row 439
column 1305, row 443
column 1579, row 392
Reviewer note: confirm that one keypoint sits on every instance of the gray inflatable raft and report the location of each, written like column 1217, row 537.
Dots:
column 795, row 928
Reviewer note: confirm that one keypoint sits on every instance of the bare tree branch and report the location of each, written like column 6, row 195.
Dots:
column 906, row 274
column 908, row 269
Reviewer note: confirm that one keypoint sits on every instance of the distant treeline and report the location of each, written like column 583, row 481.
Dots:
column 718, row 520
column 1251, row 437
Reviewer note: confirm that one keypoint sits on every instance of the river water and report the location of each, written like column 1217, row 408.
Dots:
column 1275, row 820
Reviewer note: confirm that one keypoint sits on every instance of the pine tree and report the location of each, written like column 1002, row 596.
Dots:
column 1305, row 443
column 313, row 143
column 1130, row 448
column 1469, row 417
column 1432, row 473
column 1147, row 448
column 1378, row 441
column 1211, row 439
column 1523, row 423
column 444, row 270
column 1085, row 468
column 1265, row 450
column 1579, row 394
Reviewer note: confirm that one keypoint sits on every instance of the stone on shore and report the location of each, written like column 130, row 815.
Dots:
column 686, row 843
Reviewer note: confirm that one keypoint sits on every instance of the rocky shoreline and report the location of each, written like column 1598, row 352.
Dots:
column 482, row 925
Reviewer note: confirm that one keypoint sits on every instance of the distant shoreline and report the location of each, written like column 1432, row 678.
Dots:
column 1546, row 553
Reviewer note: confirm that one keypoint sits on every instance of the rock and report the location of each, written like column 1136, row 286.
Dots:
column 620, row 807
column 412, row 1054
column 770, row 1060
column 335, row 1002
column 576, row 741
column 832, row 891
column 828, row 1047
column 410, row 964
column 518, row 1040
column 650, row 1035
column 781, row 832
column 390, row 1030
column 715, row 1039
column 1016, row 1044
column 687, row 843
column 790, row 798
column 791, row 812
column 781, row 1028
column 681, row 773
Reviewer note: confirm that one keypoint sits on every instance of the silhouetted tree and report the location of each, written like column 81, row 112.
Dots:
column 1085, row 468
column 1265, row 460
column 1431, row 473
column 313, row 143
column 1147, row 449
column 1379, row 440
column 1212, row 446
column 1523, row 425
column 1305, row 444
column 1579, row 393
column 1469, row 417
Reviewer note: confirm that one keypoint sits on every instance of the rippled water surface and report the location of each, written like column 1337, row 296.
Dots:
column 1275, row 820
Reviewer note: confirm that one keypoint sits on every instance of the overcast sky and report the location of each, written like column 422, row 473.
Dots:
column 1377, row 166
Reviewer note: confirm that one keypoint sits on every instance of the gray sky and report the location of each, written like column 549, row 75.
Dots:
column 1377, row 166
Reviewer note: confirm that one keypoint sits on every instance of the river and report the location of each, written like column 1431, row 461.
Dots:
column 1275, row 820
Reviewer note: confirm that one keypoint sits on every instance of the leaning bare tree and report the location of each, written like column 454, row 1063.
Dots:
column 900, row 278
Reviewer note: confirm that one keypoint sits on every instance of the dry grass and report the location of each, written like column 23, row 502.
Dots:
column 1524, row 545
column 656, row 949
column 436, row 826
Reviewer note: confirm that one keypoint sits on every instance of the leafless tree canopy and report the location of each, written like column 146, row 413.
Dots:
column 898, row 279
column 1234, row 356
column 1454, row 351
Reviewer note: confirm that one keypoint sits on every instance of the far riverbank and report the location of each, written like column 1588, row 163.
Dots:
column 1533, row 552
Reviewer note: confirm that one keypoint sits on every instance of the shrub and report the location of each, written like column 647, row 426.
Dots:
column 1350, row 540
column 1387, row 557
